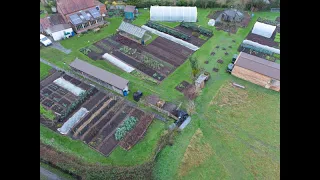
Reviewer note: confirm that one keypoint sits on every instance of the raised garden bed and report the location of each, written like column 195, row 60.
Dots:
column 182, row 86
column 215, row 69
column 220, row 61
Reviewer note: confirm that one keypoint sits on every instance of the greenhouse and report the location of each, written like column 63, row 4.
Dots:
column 173, row 13
column 131, row 31
column 73, row 120
column 255, row 44
column 263, row 29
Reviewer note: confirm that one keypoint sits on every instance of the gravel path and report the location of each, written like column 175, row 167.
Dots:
column 58, row 46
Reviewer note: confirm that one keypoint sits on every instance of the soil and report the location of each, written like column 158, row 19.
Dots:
column 64, row 102
column 215, row 69
column 84, row 86
column 55, row 97
column 193, row 39
column 57, row 108
column 220, row 61
column 46, row 92
column 185, row 86
column 170, row 107
column 217, row 47
column 67, row 77
column 142, row 67
column 50, row 79
column 206, row 62
column 75, row 82
column 224, row 49
column 230, row 47
column 152, row 99
column 62, row 91
column 214, row 14
column 71, row 96
column 94, row 56
column 48, row 103
column 262, row 40
column 212, row 53
column 246, row 20
column 226, row 53
column 227, row 28
column 42, row 97
column 53, row 87
column 93, row 101
column 258, row 54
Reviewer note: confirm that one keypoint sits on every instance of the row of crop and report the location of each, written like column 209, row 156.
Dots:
column 267, row 21
column 124, row 128
column 82, row 98
column 197, row 28
column 254, row 48
column 144, row 77
column 167, row 30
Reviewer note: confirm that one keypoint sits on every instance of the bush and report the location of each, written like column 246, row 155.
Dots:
column 257, row 49
column 267, row 21
column 124, row 128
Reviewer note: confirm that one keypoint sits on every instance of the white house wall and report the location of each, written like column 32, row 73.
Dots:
column 60, row 34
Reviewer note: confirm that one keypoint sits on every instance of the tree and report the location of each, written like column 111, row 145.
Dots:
column 188, row 2
column 193, row 2
column 194, row 66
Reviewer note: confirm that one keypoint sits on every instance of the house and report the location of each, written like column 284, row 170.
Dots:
column 173, row 13
column 257, row 70
column 82, row 14
column 129, row 12
column 132, row 32
column 104, row 78
column 231, row 15
column 55, row 26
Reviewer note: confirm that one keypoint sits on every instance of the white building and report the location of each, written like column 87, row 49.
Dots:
column 57, row 32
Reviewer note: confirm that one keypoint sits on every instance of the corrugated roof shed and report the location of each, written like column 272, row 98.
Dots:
column 45, row 23
column 100, row 74
column 57, row 28
column 259, row 65
column 70, row 6
column 132, row 29
column 129, row 8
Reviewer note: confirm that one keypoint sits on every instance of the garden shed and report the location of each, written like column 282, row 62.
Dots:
column 173, row 14
column 132, row 32
column 257, row 70
column 60, row 31
column 104, row 78
column 129, row 12
column 232, row 15
column 263, row 29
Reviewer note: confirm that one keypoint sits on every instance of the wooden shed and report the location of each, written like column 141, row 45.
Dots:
column 257, row 70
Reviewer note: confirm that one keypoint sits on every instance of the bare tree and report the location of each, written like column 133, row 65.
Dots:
column 194, row 2
column 188, row 2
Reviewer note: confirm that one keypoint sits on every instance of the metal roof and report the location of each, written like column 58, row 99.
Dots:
column 100, row 74
column 57, row 28
column 129, row 8
column 132, row 29
column 259, row 65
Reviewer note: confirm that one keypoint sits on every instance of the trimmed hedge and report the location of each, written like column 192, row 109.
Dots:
column 257, row 49
column 167, row 30
column 197, row 28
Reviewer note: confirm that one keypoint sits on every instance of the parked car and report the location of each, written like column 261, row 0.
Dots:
column 44, row 40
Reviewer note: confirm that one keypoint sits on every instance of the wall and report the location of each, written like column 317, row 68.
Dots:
column 60, row 34
column 253, row 77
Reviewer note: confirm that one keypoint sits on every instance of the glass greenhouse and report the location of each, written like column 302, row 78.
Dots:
column 173, row 13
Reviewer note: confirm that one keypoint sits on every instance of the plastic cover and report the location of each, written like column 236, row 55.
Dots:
column 263, row 29
column 118, row 63
column 274, row 50
column 72, row 121
column 173, row 13
column 68, row 86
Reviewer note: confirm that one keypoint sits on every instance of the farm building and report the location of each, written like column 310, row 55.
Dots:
column 133, row 32
column 60, row 31
column 129, row 12
column 173, row 14
column 257, row 70
column 231, row 15
column 263, row 29
column 82, row 14
column 104, row 78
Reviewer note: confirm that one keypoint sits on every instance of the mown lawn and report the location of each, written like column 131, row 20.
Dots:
column 44, row 70
column 243, row 139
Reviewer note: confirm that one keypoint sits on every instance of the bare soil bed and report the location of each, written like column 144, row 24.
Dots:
column 182, row 86
column 193, row 39
column 258, row 54
column 262, row 40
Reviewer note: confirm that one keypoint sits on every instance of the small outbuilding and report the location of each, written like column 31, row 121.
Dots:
column 257, row 70
column 60, row 31
column 129, row 12
column 104, row 78
column 231, row 15
column 132, row 32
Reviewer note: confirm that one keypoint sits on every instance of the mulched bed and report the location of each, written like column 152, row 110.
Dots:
column 226, row 53
column 193, row 40
column 93, row 101
column 94, row 55
column 215, row 69
column 246, row 20
column 67, row 77
column 220, row 61
column 55, row 97
column 62, row 91
column 184, row 86
column 71, row 96
column 64, row 102
column 170, row 107
column 48, row 103
column 212, row 53
column 74, row 81
column 84, row 86
column 262, row 40
column 46, row 92
column 58, row 109
column 142, row 67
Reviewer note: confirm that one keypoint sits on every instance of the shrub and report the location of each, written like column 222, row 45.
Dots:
column 197, row 28
column 124, row 128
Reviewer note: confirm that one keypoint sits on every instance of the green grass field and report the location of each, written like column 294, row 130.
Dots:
column 44, row 70
column 240, row 136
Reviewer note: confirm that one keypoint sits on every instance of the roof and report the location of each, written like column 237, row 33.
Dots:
column 99, row 73
column 58, row 27
column 129, row 8
column 56, row 19
column 84, row 16
column 132, row 29
column 233, row 12
column 259, row 65
column 70, row 6
column 45, row 23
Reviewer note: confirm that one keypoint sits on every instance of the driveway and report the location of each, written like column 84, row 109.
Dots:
column 57, row 45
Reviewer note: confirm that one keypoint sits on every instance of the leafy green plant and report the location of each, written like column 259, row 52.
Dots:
column 197, row 28
column 194, row 66
column 47, row 113
column 124, row 128
column 143, row 77
column 150, row 62
column 85, row 51
column 267, row 21
column 95, row 49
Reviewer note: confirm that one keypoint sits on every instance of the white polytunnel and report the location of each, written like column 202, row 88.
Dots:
column 272, row 49
column 115, row 61
column 65, row 128
column 263, row 29
column 173, row 13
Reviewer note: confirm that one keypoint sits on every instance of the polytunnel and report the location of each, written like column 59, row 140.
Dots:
column 173, row 13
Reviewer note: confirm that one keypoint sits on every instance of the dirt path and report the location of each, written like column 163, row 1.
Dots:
column 49, row 175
